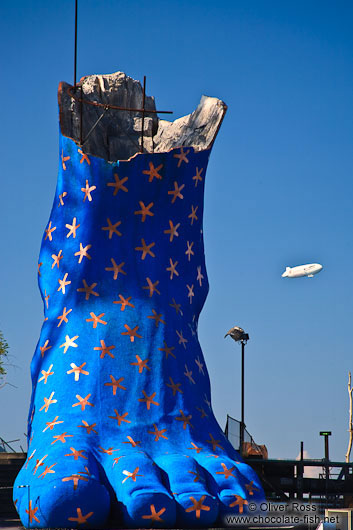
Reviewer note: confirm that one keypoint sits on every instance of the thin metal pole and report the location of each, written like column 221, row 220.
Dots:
column 143, row 111
column 75, row 53
column 81, row 120
column 242, row 425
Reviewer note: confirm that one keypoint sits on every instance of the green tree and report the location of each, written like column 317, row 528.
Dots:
column 3, row 353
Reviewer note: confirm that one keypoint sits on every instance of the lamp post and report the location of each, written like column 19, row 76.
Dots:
column 239, row 335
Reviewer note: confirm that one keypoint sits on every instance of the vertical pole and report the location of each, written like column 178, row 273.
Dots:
column 75, row 53
column 242, row 425
column 143, row 112
column 326, row 447
column 301, row 450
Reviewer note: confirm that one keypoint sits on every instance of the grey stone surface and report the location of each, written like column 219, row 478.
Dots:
column 117, row 135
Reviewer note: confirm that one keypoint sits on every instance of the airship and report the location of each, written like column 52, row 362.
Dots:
column 302, row 270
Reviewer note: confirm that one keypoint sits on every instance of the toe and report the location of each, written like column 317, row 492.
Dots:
column 235, row 483
column 62, row 496
column 138, row 484
column 187, row 481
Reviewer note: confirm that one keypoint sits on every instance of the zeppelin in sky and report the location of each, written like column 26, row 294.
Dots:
column 302, row 270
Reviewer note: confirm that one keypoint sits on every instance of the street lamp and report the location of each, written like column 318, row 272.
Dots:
column 239, row 335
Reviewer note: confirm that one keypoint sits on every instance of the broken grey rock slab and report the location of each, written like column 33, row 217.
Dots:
column 116, row 134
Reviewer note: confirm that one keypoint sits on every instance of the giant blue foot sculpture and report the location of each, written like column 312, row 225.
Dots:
column 120, row 416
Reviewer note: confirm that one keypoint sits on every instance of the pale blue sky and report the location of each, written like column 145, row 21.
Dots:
column 279, row 188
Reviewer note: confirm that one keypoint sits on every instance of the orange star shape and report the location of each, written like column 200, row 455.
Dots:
column 157, row 317
column 69, row 343
column 30, row 458
column 88, row 289
column 145, row 211
column 89, row 428
column 61, row 438
column 200, row 276
column 251, row 488
column 83, row 252
column 153, row 172
column 77, row 370
column 131, row 475
column 158, row 434
column 168, row 350
column 200, row 365
column 81, row 519
column 195, row 448
column 182, row 156
column 173, row 230
column 124, row 302
column 32, row 513
column 112, row 228
column 49, row 231
column 188, row 374
column 190, row 292
column 189, row 252
column 87, row 191
column 172, row 268
column 56, row 259
column 44, row 348
column 116, row 268
column 132, row 442
column 148, row 400
column 176, row 192
column 76, row 454
column 185, row 419
column 197, row 506
column 108, row 451
column 182, row 340
column 132, row 333
column 203, row 413
column 239, row 502
column 105, row 350
column 64, row 159
column 75, row 478
column 141, row 364
column 215, row 443
column 46, row 298
column 83, row 402
column 115, row 384
column 226, row 472
column 84, row 157
column 61, row 198
column 174, row 386
column 116, row 460
column 197, row 178
column 146, row 249
column 72, row 228
column 39, row 464
column 39, row 266
column 197, row 476
column 155, row 516
column 176, row 306
column 193, row 215
column 63, row 283
column 120, row 417
column 152, row 287
column 46, row 374
column 118, row 184
column 96, row 319
column 48, row 401
column 51, row 424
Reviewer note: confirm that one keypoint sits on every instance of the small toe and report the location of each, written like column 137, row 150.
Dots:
column 196, row 506
column 235, row 483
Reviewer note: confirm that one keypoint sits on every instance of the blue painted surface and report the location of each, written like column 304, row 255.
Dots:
column 120, row 412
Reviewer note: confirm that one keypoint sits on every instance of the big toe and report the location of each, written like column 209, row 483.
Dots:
column 196, row 506
column 143, row 497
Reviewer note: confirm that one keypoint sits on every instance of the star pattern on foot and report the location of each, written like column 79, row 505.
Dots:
column 118, row 184
column 198, row 506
